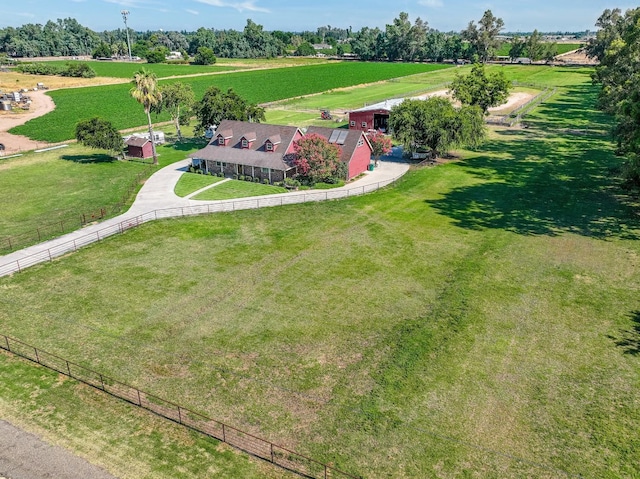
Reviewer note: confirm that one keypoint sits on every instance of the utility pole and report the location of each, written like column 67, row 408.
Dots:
column 125, row 14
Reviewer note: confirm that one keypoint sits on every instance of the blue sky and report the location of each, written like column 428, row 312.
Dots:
column 289, row 15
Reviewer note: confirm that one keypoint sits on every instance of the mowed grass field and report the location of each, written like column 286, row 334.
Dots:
column 114, row 102
column 561, row 48
column 479, row 319
column 39, row 190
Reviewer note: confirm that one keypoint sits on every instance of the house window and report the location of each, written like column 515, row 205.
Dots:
column 269, row 146
column 245, row 143
column 360, row 142
column 218, row 163
column 265, row 170
column 220, row 141
column 352, row 123
column 364, row 124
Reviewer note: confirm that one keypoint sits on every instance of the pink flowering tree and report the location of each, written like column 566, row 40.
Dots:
column 380, row 145
column 317, row 160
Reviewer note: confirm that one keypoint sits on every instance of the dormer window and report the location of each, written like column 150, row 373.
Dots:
column 269, row 146
column 245, row 143
column 221, row 141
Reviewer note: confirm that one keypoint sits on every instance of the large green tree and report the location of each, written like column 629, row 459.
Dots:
column 435, row 124
column 178, row 100
column 483, row 37
column 480, row 88
column 617, row 47
column 146, row 93
column 99, row 133
column 217, row 105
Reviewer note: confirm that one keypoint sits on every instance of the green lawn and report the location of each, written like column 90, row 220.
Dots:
column 503, row 51
column 135, row 445
column 238, row 189
column 479, row 319
column 190, row 182
column 40, row 190
column 114, row 102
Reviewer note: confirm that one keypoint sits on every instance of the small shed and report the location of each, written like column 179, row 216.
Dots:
column 139, row 147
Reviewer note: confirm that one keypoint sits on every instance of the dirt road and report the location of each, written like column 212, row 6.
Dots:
column 41, row 104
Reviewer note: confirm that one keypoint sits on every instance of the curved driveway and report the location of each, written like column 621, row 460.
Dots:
column 157, row 199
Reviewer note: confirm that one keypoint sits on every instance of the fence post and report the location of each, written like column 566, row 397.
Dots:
column 68, row 368
column 102, row 382
column 18, row 264
column 271, row 444
column 224, row 436
column 7, row 341
column 35, row 350
column 139, row 399
column 179, row 415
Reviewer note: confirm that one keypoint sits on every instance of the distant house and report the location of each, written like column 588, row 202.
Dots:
column 251, row 149
column 356, row 149
column 139, row 147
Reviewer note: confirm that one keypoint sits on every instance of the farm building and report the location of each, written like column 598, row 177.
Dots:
column 251, row 149
column 267, row 151
column 373, row 117
column 356, row 149
column 139, row 147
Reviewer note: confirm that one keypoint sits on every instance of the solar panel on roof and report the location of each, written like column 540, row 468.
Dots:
column 342, row 137
column 334, row 136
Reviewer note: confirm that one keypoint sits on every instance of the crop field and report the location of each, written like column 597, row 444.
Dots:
column 113, row 102
column 126, row 70
column 479, row 319
column 503, row 51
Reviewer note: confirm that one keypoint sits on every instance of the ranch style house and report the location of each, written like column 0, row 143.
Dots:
column 266, row 151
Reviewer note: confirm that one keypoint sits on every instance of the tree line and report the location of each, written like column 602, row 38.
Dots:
column 400, row 40
column 617, row 48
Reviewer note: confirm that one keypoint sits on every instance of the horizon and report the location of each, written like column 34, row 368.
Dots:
column 285, row 15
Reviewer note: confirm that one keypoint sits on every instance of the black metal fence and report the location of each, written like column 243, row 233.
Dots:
column 71, row 222
column 244, row 441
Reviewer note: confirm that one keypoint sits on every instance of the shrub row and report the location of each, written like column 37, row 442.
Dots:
column 77, row 70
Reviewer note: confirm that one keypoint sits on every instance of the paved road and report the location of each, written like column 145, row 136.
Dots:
column 25, row 456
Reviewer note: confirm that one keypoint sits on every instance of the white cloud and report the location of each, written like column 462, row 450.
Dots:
column 248, row 5
column 192, row 12
column 431, row 3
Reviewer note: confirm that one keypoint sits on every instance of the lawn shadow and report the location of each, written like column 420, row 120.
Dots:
column 546, row 181
column 630, row 340
column 188, row 144
column 94, row 158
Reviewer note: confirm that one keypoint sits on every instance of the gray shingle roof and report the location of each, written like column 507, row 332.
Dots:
column 257, row 155
column 350, row 142
column 138, row 141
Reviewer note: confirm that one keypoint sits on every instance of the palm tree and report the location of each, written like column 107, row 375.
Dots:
column 146, row 93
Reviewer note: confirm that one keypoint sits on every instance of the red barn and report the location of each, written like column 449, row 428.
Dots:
column 139, row 147
column 356, row 149
column 373, row 117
